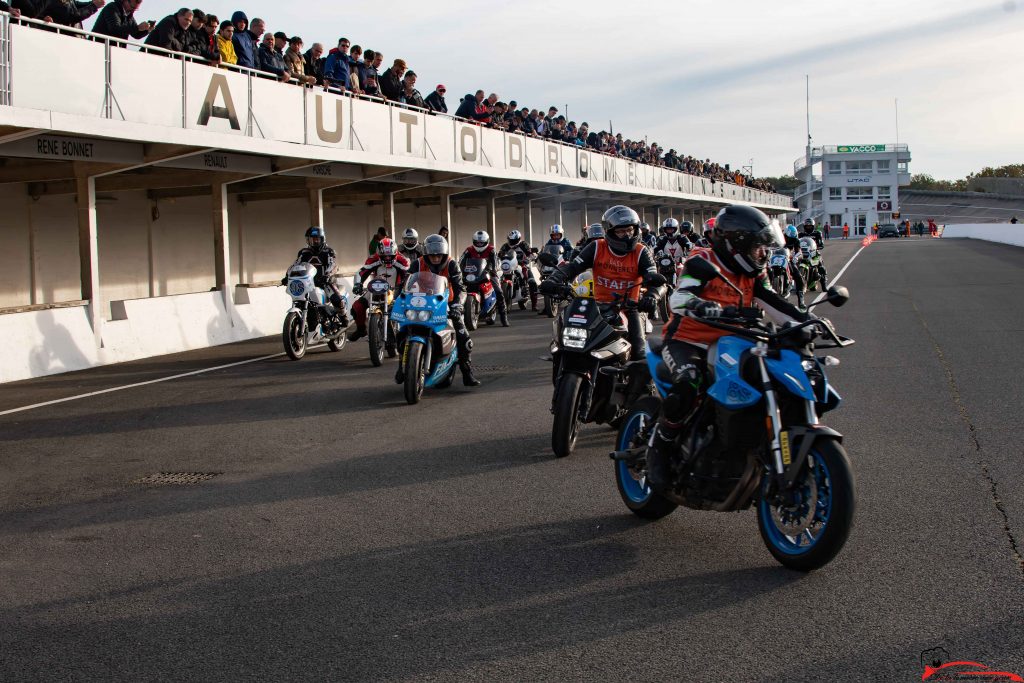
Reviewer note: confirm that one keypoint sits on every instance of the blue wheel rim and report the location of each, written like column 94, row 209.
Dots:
column 801, row 543
column 632, row 488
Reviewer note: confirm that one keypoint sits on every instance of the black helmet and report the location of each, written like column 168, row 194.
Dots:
column 621, row 217
column 316, row 238
column 738, row 232
column 595, row 231
column 686, row 227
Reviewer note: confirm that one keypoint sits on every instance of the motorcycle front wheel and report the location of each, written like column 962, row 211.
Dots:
column 806, row 527
column 631, row 477
column 375, row 333
column 471, row 314
column 293, row 337
column 566, row 425
column 415, row 373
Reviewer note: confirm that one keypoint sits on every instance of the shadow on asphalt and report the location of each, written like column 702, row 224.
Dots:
column 433, row 607
column 370, row 472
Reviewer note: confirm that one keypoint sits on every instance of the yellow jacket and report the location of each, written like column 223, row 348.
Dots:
column 227, row 50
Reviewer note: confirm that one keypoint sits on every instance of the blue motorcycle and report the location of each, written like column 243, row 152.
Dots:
column 755, row 439
column 429, row 353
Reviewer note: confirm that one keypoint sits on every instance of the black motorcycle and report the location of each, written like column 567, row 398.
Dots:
column 594, row 379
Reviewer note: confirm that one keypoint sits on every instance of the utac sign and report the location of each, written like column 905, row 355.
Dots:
column 859, row 149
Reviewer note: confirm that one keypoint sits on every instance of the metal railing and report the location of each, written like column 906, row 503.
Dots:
column 112, row 110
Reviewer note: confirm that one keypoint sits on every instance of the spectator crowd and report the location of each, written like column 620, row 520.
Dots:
column 349, row 68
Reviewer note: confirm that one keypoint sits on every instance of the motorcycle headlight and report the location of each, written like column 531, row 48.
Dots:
column 423, row 316
column 574, row 337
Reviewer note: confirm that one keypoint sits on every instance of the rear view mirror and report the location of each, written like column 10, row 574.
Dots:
column 548, row 259
column 702, row 269
column 838, row 296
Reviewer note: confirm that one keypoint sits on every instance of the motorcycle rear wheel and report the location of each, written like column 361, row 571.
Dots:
column 631, row 477
column 292, row 336
column 566, row 423
column 826, row 482
column 415, row 373
column 375, row 332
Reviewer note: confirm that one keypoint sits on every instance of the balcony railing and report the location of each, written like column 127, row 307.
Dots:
column 98, row 77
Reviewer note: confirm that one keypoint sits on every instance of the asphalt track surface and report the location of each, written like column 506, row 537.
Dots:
column 353, row 537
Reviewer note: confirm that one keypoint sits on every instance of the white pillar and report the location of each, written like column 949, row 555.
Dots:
column 492, row 215
column 528, row 220
column 388, row 207
column 315, row 198
column 221, row 242
column 88, row 250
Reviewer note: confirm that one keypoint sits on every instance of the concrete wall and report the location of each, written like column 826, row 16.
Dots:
column 990, row 232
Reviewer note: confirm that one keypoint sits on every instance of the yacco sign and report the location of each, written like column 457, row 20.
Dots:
column 859, row 149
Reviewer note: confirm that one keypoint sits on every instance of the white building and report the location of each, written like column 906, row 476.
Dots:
column 852, row 184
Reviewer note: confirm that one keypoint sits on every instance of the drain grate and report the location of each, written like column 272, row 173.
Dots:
column 175, row 478
column 492, row 368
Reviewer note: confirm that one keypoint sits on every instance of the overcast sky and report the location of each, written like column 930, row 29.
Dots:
column 720, row 79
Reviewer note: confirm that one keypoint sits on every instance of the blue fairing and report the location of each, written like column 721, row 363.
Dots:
column 424, row 331
column 788, row 371
column 489, row 302
column 729, row 388
column 652, row 365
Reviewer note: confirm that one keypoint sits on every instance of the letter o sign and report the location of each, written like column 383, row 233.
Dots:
column 469, row 146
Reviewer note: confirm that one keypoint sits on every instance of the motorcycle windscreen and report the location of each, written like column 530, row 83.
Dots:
column 427, row 284
column 474, row 271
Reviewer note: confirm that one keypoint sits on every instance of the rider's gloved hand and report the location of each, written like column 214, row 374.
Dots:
column 731, row 312
column 284, row 280
column 648, row 303
column 708, row 309
column 550, row 287
column 357, row 288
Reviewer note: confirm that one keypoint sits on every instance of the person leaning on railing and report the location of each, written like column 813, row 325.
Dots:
column 271, row 55
column 295, row 63
column 314, row 61
column 202, row 37
column 225, row 45
column 171, row 31
column 117, row 20
column 390, row 82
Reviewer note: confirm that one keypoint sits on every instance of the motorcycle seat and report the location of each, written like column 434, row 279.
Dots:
column 661, row 371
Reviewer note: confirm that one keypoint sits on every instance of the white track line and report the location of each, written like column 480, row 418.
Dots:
column 832, row 282
column 137, row 384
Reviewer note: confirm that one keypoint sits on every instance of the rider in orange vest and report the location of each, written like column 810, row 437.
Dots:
column 621, row 264
column 742, row 241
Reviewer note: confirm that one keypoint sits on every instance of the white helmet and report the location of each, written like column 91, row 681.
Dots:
column 480, row 240
column 556, row 229
column 410, row 238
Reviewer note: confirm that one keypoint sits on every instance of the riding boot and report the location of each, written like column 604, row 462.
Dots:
column 659, row 455
column 467, row 374
column 504, row 318
column 533, row 297
column 800, row 300
column 357, row 333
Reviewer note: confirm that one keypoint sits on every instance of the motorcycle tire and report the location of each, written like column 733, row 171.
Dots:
column 778, row 284
column 663, row 310
column 292, row 337
column 566, row 423
column 506, row 291
column 829, row 467
column 336, row 344
column 415, row 373
column 471, row 313
column 630, row 477
column 392, row 346
column 375, row 333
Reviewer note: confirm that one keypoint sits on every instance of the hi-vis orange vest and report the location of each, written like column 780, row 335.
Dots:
column 425, row 268
column 693, row 332
column 614, row 275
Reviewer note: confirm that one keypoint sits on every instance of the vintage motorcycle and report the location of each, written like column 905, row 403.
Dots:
column 381, row 331
column 550, row 257
column 513, row 286
column 312, row 318
column 755, row 438
column 778, row 272
column 594, row 380
column 481, row 298
column 426, row 338
column 810, row 264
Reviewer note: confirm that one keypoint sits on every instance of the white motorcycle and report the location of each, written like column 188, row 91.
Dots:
column 312, row 319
